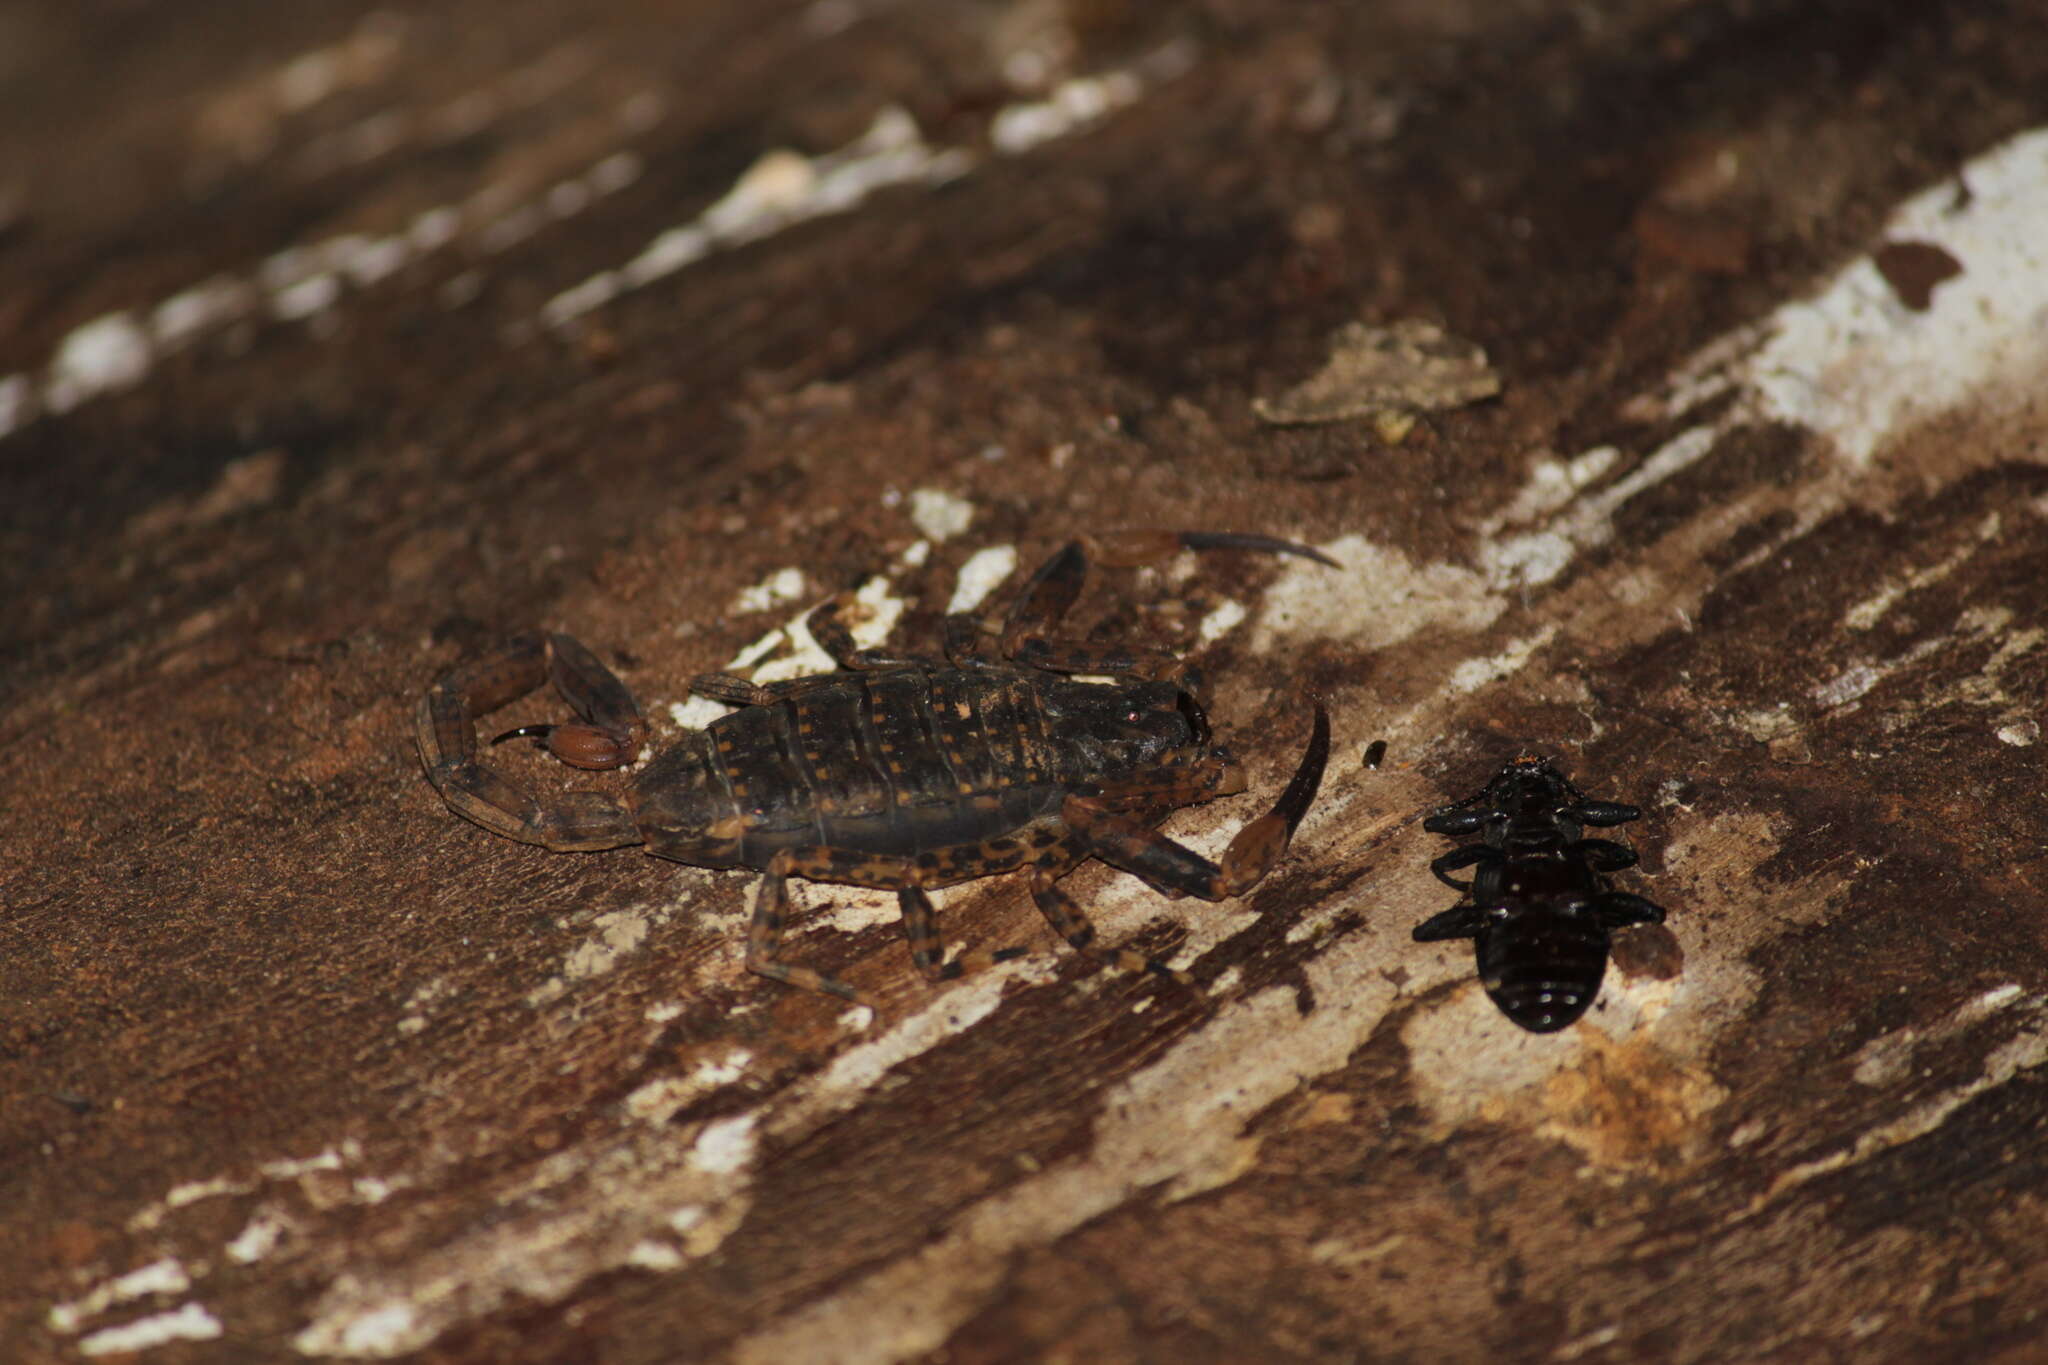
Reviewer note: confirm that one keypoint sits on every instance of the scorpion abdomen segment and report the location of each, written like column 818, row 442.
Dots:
column 896, row 763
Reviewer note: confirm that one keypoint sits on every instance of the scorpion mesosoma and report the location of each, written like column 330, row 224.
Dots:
column 897, row 772
column 1539, row 908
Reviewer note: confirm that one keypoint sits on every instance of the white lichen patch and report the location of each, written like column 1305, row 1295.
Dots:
column 849, row 909
column 1536, row 557
column 782, row 188
column 109, row 353
column 656, row 1256
column 166, row 1276
column 1220, row 620
column 1473, row 674
column 938, row 514
column 855, row 1071
column 697, row 712
column 1888, row 1058
column 1872, row 609
column 1387, row 374
column 258, row 1237
column 618, row 933
column 1070, row 106
column 1175, row 1126
column 871, row 618
column 1379, row 597
column 777, row 589
column 984, row 572
column 1552, row 483
column 2021, row 734
column 2025, row 1050
column 189, row 1323
column 726, row 1145
column 584, row 1211
column 1856, row 364
column 658, row 1100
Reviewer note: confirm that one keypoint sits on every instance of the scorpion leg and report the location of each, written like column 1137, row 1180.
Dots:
column 1139, row 849
column 968, row 645
column 764, row 936
column 737, row 691
column 835, row 639
column 920, row 926
column 1056, row 584
column 1071, row 923
column 445, row 730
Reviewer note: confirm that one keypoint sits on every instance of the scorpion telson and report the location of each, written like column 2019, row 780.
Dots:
column 899, row 772
column 1539, row 908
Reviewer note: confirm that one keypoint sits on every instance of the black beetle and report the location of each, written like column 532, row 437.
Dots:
column 1539, row 908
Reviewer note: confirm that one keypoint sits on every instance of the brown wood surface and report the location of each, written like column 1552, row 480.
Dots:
column 295, row 1064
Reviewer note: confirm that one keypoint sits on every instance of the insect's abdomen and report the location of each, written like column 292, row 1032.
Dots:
column 1542, row 963
column 889, row 763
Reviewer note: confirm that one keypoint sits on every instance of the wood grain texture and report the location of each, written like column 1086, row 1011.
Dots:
column 337, row 345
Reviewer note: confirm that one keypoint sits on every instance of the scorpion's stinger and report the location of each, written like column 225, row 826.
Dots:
column 1174, row 868
column 1261, row 844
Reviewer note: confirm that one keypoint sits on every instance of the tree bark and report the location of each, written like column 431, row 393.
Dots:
column 338, row 345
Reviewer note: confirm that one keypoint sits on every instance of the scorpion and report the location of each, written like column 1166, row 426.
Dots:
column 898, row 772
column 1539, row 908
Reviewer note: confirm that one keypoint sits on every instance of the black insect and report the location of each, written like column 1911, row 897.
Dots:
column 1539, row 908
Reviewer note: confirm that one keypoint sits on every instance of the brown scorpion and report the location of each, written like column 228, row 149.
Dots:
column 898, row 772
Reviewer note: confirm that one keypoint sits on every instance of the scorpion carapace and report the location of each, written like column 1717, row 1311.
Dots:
column 1540, row 907
column 899, row 772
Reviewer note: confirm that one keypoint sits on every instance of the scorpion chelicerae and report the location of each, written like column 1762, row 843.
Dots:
column 1539, row 908
column 897, row 772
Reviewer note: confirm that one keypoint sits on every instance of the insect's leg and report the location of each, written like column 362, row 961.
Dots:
column 764, row 937
column 1604, row 813
column 1462, row 920
column 1604, row 855
column 835, row 639
column 1453, row 821
column 1462, row 857
column 1619, row 909
column 444, row 728
column 920, row 926
column 1071, row 923
column 1139, row 849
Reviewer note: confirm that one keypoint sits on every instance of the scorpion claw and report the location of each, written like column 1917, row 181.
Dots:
column 539, row 732
column 579, row 746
